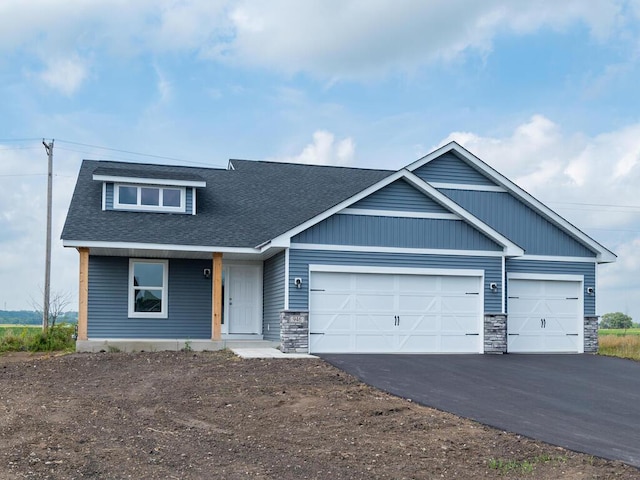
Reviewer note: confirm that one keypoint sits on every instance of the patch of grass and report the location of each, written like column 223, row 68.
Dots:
column 620, row 346
column 33, row 339
column 521, row 466
column 619, row 332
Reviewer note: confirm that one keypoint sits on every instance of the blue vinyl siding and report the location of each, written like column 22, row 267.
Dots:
column 189, row 200
column 109, row 197
column 449, row 168
column 400, row 196
column 299, row 261
column 519, row 223
column 396, row 232
column 189, row 302
column 273, row 296
column 586, row 269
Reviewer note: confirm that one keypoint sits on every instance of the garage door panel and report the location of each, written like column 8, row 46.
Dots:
column 545, row 316
column 333, row 322
column 462, row 304
column 380, row 302
column 394, row 313
column 330, row 281
column 371, row 282
column 417, row 303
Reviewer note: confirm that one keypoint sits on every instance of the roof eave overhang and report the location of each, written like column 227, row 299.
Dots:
column 603, row 255
column 150, row 181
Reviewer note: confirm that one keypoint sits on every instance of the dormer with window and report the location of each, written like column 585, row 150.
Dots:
column 140, row 191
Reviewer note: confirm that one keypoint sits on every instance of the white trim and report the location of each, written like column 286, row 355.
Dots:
column 158, row 246
column 417, row 251
column 452, row 272
column 549, row 258
column 138, row 207
column 397, row 213
column 193, row 201
column 104, row 196
column 595, row 293
column 545, row 276
column 467, row 186
column 150, row 181
column 165, row 289
column 286, row 279
column 604, row 255
column 510, row 248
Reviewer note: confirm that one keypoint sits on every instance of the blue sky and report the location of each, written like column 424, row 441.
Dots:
column 544, row 91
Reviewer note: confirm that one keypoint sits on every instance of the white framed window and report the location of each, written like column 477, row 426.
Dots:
column 149, row 198
column 148, row 288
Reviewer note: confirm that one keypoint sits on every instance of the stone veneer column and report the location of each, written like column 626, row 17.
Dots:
column 495, row 333
column 294, row 331
column 591, row 334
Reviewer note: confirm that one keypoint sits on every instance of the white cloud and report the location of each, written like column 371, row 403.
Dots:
column 324, row 151
column 332, row 39
column 64, row 74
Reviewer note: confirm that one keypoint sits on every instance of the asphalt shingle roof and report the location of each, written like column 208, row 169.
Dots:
column 244, row 207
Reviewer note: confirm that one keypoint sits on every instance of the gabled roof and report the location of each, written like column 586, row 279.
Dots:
column 604, row 255
column 239, row 208
column 509, row 248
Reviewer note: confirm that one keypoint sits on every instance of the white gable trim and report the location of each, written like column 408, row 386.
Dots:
column 405, row 250
column 398, row 213
column 509, row 248
column 468, row 186
column 150, row 181
column 603, row 254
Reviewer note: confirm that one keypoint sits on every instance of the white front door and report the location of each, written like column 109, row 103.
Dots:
column 544, row 316
column 393, row 313
column 243, row 299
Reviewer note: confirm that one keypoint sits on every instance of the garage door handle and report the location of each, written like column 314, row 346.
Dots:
column 316, row 333
column 572, row 334
column 573, row 298
column 472, row 334
column 513, row 334
column 472, row 293
column 317, row 289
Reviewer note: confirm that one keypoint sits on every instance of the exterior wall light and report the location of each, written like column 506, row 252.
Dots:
column 493, row 287
column 298, row 282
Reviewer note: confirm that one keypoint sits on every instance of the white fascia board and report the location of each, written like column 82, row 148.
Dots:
column 150, row 181
column 398, row 213
column 284, row 238
column 604, row 255
column 414, row 251
column 157, row 246
column 549, row 258
column 510, row 248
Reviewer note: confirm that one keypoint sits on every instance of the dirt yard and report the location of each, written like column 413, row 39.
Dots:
column 213, row 415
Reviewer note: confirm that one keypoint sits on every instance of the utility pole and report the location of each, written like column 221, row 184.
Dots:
column 47, row 266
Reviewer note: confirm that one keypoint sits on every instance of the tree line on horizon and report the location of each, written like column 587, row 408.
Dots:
column 32, row 317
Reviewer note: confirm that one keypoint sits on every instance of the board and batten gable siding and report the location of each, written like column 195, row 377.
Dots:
column 449, row 168
column 109, row 198
column 273, row 296
column 189, row 302
column 299, row 261
column 400, row 196
column 585, row 269
column 519, row 223
column 399, row 232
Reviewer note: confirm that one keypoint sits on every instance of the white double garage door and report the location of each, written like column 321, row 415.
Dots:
column 415, row 311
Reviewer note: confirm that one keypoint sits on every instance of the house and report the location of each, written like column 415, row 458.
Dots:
column 444, row 255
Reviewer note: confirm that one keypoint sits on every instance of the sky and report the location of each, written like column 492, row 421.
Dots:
column 544, row 91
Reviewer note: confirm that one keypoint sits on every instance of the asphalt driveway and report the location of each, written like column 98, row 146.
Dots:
column 585, row 403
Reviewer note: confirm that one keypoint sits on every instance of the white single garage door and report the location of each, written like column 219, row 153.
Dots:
column 544, row 316
column 390, row 313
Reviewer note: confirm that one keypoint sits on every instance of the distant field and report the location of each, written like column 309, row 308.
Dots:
column 619, row 331
column 18, row 329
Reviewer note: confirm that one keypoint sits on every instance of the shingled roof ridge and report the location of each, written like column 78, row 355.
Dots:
column 274, row 162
